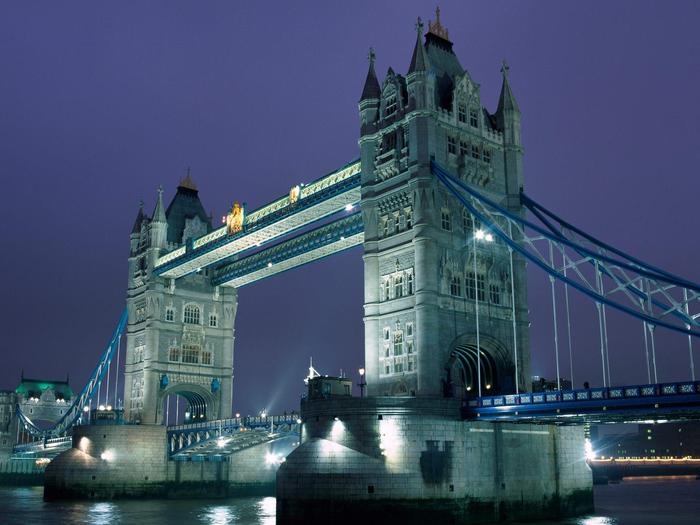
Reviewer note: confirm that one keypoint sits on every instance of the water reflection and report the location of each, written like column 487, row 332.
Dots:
column 598, row 520
column 103, row 513
column 267, row 511
column 218, row 515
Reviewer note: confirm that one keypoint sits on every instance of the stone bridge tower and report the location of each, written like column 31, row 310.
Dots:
column 179, row 338
column 421, row 289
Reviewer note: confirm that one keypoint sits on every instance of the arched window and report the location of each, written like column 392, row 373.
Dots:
column 191, row 315
column 398, row 286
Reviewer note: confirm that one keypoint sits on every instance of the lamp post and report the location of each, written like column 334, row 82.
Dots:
column 362, row 382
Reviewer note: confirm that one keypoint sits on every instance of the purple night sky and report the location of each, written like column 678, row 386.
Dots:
column 100, row 103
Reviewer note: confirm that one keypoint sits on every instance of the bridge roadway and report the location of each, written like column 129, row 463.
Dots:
column 320, row 199
column 208, row 440
column 621, row 404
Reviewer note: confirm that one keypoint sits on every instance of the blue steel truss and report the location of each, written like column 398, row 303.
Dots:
column 295, row 247
column 75, row 411
column 282, row 213
column 635, row 403
column 225, row 436
column 602, row 273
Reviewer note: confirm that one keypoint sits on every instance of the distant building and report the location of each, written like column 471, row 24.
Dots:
column 540, row 384
column 662, row 440
column 325, row 386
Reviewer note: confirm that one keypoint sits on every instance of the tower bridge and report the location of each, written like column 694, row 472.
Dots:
column 438, row 202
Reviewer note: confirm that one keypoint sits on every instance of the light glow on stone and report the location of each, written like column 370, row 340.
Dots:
column 389, row 440
column 588, row 450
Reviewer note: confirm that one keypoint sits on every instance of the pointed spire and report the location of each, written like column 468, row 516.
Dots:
column 140, row 216
column 506, row 101
column 436, row 28
column 159, row 212
column 419, row 60
column 187, row 181
column 371, row 89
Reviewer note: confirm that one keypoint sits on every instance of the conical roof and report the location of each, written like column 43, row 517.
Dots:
column 371, row 89
column 419, row 60
column 140, row 216
column 506, row 102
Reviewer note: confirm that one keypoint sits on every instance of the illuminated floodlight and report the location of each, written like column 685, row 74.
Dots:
column 109, row 407
column 469, row 388
column 238, row 414
column 273, row 459
column 362, row 371
column 336, row 418
column 588, row 450
column 342, row 237
column 86, row 408
column 349, row 207
column 488, row 387
column 263, row 413
column 221, row 442
column 107, row 455
column 298, row 421
column 488, row 237
column 101, row 408
column 480, row 234
column 269, row 265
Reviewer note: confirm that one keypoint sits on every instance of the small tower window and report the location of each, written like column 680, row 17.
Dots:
column 387, row 289
column 409, row 329
column 390, row 105
column 191, row 314
column 462, row 112
column 451, row 145
column 409, row 348
column 174, row 354
column 495, row 294
column 473, row 118
column 487, row 156
column 398, row 342
column 169, row 314
column 206, row 358
column 409, row 282
column 409, row 217
column 398, row 286
column 456, row 286
column 475, row 151
column 213, row 320
column 463, row 148
column 446, row 221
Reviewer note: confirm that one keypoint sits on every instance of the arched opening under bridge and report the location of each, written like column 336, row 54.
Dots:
column 186, row 403
column 467, row 364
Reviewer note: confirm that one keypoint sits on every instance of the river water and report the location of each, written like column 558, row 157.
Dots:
column 633, row 502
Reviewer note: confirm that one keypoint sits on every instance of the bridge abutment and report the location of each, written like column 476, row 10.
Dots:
column 414, row 458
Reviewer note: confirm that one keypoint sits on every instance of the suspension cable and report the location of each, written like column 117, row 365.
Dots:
column 476, row 310
column 600, row 330
column 109, row 369
column 690, row 339
column 605, row 330
column 554, row 316
column 116, row 378
column 512, row 301
column 650, row 326
column 568, row 318
column 646, row 345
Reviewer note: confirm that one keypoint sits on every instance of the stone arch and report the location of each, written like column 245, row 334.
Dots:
column 465, row 365
column 201, row 403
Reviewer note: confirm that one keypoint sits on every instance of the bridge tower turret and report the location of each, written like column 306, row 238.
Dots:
column 422, row 288
column 179, row 336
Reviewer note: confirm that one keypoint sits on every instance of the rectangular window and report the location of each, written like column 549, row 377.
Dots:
column 397, row 223
column 398, row 286
column 384, row 225
column 169, row 314
column 446, row 221
column 387, row 288
column 398, row 367
column 190, row 354
column 398, row 342
column 386, row 351
column 386, row 334
column 174, row 354
column 495, row 293
column 409, row 217
column 206, row 358
column 451, row 145
column 387, row 369
column 475, row 151
column 390, row 106
column 410, row 365
column 463, row 148
column 462, row 112
column 456, row 287
column 409, row 347
column 409, row 282
column 487, row 156
column 213, row 321
column 470, row 285
column 481, row 286
column 473, row 118
column 409, row 329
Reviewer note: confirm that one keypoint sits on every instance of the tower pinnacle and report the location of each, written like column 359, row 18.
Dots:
column 437, row 28
column 419, row 60
column 371, row 89
column 159, row 212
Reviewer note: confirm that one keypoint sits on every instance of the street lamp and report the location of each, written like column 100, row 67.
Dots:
column 362, row 382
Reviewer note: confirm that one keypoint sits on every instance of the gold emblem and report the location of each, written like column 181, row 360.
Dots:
column 294, row 194
column 235, row 218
